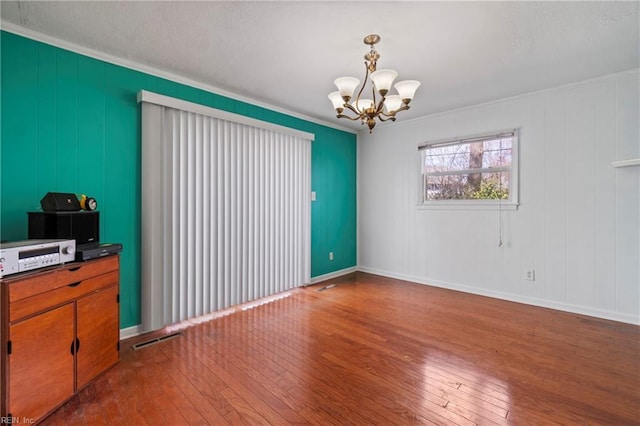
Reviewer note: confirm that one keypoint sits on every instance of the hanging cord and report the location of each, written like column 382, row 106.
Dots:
column 500, row 236
column 500, row 211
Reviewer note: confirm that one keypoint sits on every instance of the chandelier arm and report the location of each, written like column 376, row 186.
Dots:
column 346, row 116
column 394, row 112
column 352, row 108
column 364, row 83
column 391, row 118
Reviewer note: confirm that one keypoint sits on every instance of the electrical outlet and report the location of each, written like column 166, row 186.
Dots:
column 530, row 275
column 330, row 255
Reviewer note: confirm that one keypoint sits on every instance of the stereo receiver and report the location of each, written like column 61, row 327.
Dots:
column 20, row 256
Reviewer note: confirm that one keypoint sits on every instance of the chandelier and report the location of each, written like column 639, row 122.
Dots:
column 382, row 105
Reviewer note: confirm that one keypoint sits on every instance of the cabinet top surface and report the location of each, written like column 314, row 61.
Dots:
column 111, row 263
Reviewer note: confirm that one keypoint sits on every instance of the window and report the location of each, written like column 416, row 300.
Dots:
column 473, row 170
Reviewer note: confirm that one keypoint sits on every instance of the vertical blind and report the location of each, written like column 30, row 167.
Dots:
column 225, row 211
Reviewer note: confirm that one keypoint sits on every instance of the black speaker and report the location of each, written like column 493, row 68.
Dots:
column 60, row 202
column 84, row 227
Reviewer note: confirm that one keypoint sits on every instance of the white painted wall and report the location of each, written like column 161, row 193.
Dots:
column 578, row 224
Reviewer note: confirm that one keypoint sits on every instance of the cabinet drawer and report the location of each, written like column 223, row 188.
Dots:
column 46, row 300
column 38, row 283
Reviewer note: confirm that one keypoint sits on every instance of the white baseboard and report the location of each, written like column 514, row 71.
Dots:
column 128, row 332
column 334, row 274
column 566, row 307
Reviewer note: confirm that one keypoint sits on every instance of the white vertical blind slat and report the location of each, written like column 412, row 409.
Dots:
column 216, row 215
column 185, row 236
column 206, row 224
column 200, row 216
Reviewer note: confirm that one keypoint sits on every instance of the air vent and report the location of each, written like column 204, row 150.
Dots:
column 154, row 341
column 326, row 287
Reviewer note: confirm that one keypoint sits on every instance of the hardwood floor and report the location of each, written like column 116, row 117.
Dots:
column 374, row 350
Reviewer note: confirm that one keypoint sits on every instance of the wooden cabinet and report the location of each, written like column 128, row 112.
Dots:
column 60, row 330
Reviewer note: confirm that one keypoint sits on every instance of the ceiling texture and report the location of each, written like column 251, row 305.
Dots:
column 285, row 55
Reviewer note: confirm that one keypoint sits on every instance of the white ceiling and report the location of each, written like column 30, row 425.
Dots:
column 287, row 54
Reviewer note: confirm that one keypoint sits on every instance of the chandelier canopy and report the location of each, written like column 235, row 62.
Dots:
column 382, row 105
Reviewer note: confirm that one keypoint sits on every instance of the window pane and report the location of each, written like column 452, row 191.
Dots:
column 446, row 158
column 472, row 186
column 446, row 187
column 468, row 155
column 448, row 170
column 497, row 153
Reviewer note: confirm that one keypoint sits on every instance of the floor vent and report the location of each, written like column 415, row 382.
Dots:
column 326, row 287
column 154, row 341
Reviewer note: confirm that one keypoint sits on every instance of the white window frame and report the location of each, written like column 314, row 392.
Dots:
column 470, row 204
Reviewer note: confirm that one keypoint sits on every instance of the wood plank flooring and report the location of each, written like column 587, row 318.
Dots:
column 373, row 350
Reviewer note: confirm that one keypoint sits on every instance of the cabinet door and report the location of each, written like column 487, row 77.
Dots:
column 41, row 362
column 98, row 332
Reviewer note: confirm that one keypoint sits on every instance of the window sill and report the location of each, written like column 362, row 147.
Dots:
column 467, row 205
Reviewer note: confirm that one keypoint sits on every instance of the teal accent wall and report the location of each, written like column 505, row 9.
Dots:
column 70, row 123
